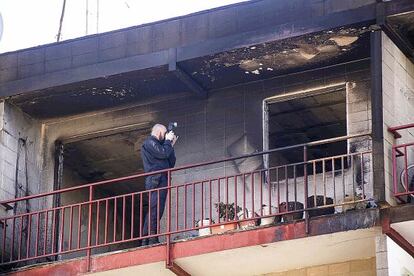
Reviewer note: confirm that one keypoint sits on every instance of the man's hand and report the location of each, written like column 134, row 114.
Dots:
column 174, row 140
column 170, row 136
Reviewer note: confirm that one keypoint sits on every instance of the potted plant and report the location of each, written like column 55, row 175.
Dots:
column 227, row 212
column 205, row 231
column 269, row 220
column 320, row 201
column 291, row 206
column 246, row 214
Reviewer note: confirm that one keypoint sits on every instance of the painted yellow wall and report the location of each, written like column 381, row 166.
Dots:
column 363, row 267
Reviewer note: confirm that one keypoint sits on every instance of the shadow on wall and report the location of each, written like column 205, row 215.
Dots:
column 242, row 146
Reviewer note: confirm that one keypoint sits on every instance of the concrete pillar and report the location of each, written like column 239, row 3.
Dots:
column 381, row 252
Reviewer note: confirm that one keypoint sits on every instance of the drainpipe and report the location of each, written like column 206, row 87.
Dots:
column 57, row 184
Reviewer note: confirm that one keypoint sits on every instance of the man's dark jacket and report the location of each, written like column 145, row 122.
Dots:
column 157, row 155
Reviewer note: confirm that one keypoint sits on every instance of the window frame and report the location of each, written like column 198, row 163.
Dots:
column 292, row 96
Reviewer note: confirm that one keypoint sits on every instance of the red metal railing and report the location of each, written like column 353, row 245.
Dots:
column 403, row 165
column 102, row 223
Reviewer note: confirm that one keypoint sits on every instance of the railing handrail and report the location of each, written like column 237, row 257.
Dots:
column 138, row 193
column 394, row 130
column 184, row 167
column 400, row 127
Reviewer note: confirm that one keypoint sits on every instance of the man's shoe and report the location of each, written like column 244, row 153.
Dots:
column 153, row 241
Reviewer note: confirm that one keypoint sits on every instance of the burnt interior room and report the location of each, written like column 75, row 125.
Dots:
column 103, row 158
column 106, row 157
column 112, row 156
column 306, row 119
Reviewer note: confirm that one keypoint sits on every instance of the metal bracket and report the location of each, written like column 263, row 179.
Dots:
column 178, row 270
column 7, row 206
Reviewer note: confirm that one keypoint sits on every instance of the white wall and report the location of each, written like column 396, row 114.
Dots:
column 399, row 261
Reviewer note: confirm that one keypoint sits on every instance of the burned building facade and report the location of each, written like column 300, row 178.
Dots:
column 295, row 115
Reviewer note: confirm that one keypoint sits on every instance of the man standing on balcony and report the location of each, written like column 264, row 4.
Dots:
column 157, row 153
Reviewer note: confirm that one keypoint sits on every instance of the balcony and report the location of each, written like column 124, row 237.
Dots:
column 292, row 193
column 403, row 163
column 402, row 155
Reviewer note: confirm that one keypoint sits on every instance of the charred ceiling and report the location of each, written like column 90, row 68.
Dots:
column 99, row 93
column 404, row 25
column 258, row 62
column 276, row 58
column 399, row 28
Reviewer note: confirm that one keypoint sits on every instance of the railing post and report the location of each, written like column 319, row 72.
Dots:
column 168, row 235
column 88, row 252
column 305, row 182
column 394, row 171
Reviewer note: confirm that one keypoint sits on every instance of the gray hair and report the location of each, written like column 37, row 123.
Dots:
column 157, row 128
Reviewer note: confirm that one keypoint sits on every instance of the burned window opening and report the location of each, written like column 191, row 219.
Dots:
column 303, row 117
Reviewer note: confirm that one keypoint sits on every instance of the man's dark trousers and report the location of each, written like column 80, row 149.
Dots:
column 153, row 182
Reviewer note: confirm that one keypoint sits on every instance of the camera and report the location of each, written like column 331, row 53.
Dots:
column 172, row 126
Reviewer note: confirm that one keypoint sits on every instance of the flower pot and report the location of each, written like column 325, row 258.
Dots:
column 269, row 220
column 204, row 231
column 223, row 228
column 248, row 223
column 291, row 206
column 320, row 202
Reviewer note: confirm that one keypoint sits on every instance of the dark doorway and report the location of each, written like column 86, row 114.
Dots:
column 103, row 157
